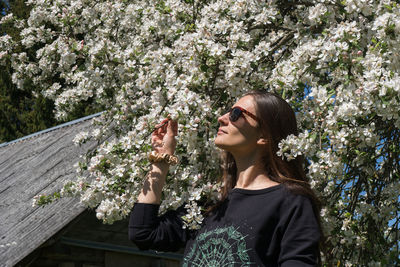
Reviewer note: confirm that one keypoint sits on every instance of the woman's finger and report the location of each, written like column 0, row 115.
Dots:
column 161, row 124
column 175, row 128
column 172, row 128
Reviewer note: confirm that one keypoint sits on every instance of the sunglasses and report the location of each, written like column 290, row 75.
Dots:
column 236, row 112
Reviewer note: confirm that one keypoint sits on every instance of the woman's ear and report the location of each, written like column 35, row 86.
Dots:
column 262, row 141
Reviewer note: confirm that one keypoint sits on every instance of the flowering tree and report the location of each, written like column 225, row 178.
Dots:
column 336, row 62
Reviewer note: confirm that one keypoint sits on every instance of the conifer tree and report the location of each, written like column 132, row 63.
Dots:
column 23, row 112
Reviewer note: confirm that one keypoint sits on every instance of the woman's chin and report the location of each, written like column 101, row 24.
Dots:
column 217, row 142
column 220, row 144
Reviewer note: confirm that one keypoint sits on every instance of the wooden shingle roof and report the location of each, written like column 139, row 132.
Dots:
column 38, row 163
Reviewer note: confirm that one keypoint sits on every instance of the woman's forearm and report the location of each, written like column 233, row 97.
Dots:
column 154, row 183
column 163, row 142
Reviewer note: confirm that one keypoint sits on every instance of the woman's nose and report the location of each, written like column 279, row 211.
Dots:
column 224, row 120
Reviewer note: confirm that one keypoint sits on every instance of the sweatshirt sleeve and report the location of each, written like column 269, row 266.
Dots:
column 301, row 234
column 150, row 231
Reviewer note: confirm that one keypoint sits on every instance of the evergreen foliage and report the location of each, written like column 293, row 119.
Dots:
column 23, row 112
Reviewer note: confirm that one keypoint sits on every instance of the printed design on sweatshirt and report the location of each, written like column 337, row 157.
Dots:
column 224, row 246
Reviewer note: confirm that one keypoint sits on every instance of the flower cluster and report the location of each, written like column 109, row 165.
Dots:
column 336, row 62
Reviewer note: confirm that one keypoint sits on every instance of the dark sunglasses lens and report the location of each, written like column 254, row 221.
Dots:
column 235, row 114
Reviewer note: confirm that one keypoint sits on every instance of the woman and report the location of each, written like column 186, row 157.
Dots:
column 268, row 215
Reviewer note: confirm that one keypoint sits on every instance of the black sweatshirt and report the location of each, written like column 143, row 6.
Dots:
column 266, row 227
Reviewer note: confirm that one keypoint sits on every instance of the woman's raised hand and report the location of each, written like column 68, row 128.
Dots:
column 163, row 138
column 162, row 141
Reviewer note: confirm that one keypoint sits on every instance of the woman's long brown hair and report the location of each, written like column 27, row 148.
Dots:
column 277, row 121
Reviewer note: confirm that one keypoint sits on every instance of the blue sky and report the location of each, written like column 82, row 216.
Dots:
column 7, row 3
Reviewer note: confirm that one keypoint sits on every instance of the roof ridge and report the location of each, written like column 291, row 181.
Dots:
column 51, row 129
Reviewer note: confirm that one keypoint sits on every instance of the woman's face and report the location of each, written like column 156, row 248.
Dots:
column 242, row 135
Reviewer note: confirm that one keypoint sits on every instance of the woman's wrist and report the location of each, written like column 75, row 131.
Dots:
column 160, row 166
column 155, row 157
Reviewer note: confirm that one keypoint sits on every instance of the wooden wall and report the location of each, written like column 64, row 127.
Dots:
column 86, row 242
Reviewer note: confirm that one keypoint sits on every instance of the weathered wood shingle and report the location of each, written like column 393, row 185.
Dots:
column 40, row 163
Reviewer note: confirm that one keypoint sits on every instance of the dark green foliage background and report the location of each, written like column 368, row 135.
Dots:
column 23, row 112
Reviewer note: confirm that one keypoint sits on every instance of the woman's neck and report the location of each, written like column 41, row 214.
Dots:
column 251, row 173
